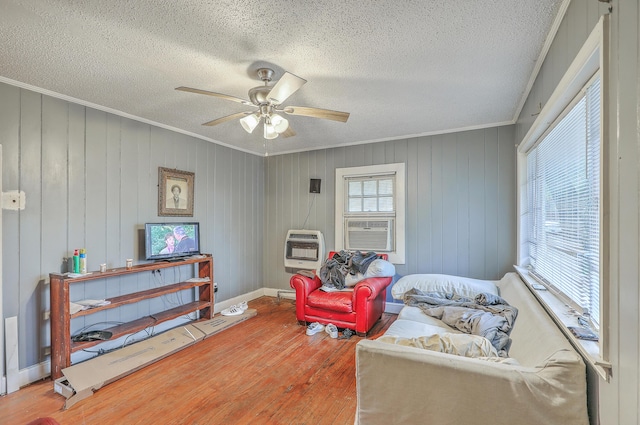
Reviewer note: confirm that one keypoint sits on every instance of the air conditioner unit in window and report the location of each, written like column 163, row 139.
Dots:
column 369, row 234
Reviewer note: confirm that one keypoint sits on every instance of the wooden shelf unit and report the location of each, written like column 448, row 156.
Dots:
column 61, row 345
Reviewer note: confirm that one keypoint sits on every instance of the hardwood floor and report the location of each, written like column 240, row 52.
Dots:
column 265, row 370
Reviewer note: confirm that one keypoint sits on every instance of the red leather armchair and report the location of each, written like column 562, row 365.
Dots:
column 358, row 310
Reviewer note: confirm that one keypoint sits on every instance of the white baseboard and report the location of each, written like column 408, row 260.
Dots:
column 28, row 375
column 218, row 307
column 393, row 308
column 280, row 293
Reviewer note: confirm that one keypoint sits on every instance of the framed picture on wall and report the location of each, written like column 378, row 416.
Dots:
column 175, row 192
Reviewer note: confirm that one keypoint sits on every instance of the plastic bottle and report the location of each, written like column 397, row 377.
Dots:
column 83, row 261
column 76, row 261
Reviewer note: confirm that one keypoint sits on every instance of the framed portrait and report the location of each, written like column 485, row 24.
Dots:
column 175, row 192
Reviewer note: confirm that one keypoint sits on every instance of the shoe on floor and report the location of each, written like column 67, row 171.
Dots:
column 332, row 330
column 314, row 328
column 346, row 334
column 242, row 306
column 234, row 310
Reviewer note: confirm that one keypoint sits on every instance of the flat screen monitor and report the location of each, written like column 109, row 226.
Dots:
column 165, row 241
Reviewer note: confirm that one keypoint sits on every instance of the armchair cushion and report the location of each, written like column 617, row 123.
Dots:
column 335, row 301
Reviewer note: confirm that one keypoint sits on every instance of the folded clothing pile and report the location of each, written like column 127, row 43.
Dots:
column 345, row 269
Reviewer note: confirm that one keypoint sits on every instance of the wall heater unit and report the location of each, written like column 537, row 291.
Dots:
column 304, row 249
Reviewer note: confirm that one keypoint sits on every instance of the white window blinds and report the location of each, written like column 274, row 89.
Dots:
column 563, row 193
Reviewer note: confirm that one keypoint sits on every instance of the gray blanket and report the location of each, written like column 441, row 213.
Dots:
column 334, row 270
column 486, row 315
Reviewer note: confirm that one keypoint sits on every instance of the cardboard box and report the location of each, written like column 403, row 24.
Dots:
column 62, row 387
column 82, row 380
column 220, row 322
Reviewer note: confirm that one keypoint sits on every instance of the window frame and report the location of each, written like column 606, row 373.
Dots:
column 592, row 59
column 568, row 110
column 397, row 256
column 364, row 196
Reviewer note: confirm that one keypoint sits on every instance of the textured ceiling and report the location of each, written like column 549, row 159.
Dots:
column 401, row 68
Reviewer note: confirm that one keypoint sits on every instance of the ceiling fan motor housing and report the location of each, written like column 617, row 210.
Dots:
column 259, row 95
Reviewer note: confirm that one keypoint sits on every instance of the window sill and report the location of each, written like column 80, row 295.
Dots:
column 565, row 316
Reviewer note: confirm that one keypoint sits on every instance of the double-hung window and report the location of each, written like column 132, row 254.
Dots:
column 370, row 209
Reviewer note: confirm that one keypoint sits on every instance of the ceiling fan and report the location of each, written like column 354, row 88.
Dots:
column 268, row 100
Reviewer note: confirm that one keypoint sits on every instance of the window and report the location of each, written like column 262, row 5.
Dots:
column 563, row 188
column 562, row 181
column 370, row 209
column 370, row 194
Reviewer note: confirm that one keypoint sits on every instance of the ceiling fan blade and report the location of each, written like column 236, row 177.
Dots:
column 285, row 87
column 227, row 118
column 288, row 132
column 210, row 93
column 317, row 113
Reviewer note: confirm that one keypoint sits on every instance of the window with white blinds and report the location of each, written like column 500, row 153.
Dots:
column 563, row 203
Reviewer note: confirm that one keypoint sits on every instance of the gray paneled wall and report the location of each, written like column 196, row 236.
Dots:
column 580, row 19
column 90, row 180
column 461, row 208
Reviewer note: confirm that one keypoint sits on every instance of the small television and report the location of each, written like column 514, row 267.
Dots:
column 167, row 241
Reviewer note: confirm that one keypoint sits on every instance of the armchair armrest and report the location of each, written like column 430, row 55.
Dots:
column 369, row 298
column 304, row 285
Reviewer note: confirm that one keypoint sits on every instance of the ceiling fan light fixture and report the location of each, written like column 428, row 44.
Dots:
column 270, row 131
column 280, row 124
column 250, row 122
column 268, row 99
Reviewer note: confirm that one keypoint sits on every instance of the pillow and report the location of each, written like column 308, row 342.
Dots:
column 444, row 284
column 459, row 344
column 350, row 280
column 377, row 268
column 380, row 268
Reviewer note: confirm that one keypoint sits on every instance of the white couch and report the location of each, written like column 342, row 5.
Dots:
column 399, row 384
